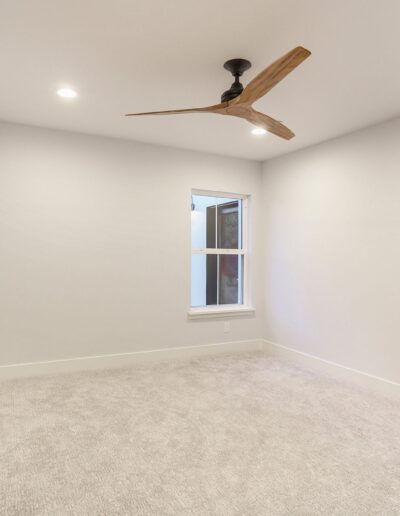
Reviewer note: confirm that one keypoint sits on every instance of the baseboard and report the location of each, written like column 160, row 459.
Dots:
column 333, row 369
column 125, row 359
column 121, row 360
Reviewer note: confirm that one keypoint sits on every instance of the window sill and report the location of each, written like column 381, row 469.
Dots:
column 217, row 312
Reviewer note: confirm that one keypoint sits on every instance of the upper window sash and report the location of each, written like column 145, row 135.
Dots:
column 221, row 233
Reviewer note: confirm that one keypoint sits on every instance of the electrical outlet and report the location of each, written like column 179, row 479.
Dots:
column 227, row 327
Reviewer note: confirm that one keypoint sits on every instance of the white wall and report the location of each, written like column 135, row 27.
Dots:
column 95, row 247
column 95, row 244
column 331, row 223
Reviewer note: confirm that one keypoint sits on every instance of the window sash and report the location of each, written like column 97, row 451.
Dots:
column 241, row 252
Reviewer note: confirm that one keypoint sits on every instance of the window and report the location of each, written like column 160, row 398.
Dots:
column 219, row 254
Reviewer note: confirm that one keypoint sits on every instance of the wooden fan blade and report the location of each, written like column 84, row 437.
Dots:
column 261, row 120
column 270, row 124
column 273, row 74
column 216, row 108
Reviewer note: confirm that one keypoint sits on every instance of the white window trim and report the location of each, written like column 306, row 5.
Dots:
column 216, row 311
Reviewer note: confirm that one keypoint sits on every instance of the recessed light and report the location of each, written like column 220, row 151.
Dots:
column 67, row 93
column 258, row 131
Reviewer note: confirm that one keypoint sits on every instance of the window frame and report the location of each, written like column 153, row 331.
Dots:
column 227, row 310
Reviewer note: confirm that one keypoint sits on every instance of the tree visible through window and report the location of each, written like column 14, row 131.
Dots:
column 218, row 250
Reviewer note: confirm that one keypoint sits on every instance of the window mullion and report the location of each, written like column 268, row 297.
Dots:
column 211, row 250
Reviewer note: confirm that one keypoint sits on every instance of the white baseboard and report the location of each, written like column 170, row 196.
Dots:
column 121, row 360
column 125, row 359
column 334, row 370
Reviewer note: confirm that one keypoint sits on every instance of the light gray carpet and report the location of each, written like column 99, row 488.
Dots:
column 228, row 435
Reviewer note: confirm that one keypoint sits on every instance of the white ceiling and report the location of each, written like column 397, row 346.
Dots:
column 143, row 55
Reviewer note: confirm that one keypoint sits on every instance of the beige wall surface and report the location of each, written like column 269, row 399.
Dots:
column 332, row 250
column 95, row 244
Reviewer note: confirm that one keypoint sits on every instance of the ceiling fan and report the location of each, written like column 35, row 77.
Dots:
column 237, row 101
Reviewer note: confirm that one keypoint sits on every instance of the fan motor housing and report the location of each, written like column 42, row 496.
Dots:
column 237, row 67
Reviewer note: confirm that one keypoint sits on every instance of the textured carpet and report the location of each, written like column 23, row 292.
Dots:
column 229, row 435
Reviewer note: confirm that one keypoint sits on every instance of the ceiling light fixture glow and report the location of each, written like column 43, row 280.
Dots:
column 67, row 93
column 258, row 131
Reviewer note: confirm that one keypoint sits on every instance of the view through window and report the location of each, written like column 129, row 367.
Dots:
column 218, row 250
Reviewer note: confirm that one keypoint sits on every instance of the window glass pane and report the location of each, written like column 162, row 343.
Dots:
column 229, row 214
column 203, row 222
column 230, row 281
column 212, row 280
column 199, row 280
column 204, row 279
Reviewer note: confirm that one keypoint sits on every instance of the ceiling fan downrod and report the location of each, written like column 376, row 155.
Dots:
column 237, row 67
